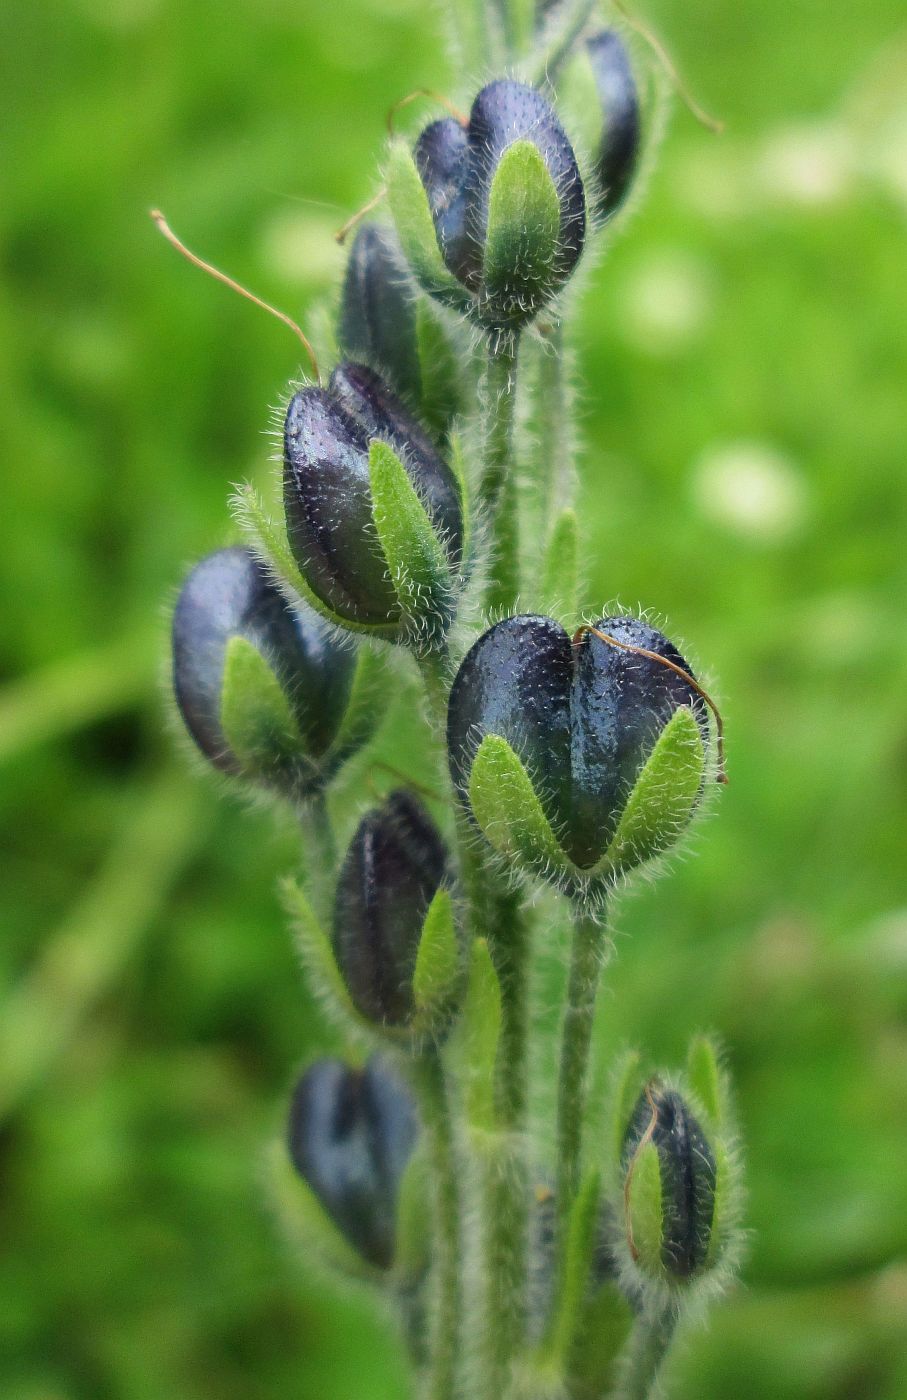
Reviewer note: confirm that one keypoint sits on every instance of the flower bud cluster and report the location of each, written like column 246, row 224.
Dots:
column 350, row 1137
column 571, row 754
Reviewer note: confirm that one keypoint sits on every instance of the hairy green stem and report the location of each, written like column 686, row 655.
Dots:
column 647, row 1348
column 434, row 1106
column 319, row 849
column 435, row 670
column 506, row 1175
column 497, row 497
column 576, row 1039
column 556, row 472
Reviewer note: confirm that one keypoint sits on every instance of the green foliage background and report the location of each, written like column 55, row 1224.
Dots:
column 744, row 360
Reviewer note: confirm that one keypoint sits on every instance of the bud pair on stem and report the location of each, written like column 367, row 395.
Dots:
column 569, row 755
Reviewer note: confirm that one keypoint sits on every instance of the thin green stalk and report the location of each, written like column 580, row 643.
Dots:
column 434, row 1106
column 519, row 24
column 556, row 465
column 322, row 831
column 319, row 848
column 506, row 1175
column 568, row 32
column 576, row 1039
column 497, row 497
column 499, row 917
column 435, row 670
column 471, row 29
column 647, row 1348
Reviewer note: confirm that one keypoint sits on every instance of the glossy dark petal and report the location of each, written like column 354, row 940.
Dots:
column 687, row 1175
column 390, row 874
column 351, row 1134
column 507, row 111
column 379, row 413
column 441, row 159
column 327, row 500
column 377, row 311
column 619, row 148
column 620, row 704
column 515, row 681
column 227, row 595
column 583, row 718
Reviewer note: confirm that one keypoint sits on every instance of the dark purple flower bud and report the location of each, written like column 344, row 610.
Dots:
column 582, row 716
column 339, row 531
column 351, row 1135
column 512, row 235
column 395, row 865
column 378, row 312
column 687, row 1177
column 618, row 151
column 260, row 684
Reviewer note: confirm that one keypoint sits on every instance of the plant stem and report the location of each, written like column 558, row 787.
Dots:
column 436, row 1119
column 434, row 668
column 647, row 1348
column 497, row 497
column 319, row 849
column 506, row 1177
column 576, row 1039
column 556, row 475
column 569, row 30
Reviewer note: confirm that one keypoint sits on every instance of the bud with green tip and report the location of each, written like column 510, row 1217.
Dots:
column 492, row 216
column 351, row 1136
column 386, row 324
column 394, row 936
column 263, row 688
column 374, row 513
column 578, row 758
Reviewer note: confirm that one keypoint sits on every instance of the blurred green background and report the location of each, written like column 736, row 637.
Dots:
column 744, row 369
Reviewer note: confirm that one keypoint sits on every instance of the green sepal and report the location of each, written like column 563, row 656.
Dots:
column 522, row 236
column 603, row 1329
column 664, row 795
column 365, row 707
column 705, row 1077
column 438, row 370
column 437, row 974
column 722, row 1208
column 574, row 1281
column 412, row 1249
column 268, row 541
column 325, row 978
column 415, row 227
column 418, row 565
column 256, row 718
column 627, row 1082
column 478, row 1038
column 560, row 574
column 307, row 1224
column 458, row 468
column 505, row 805
column 643, row 1210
